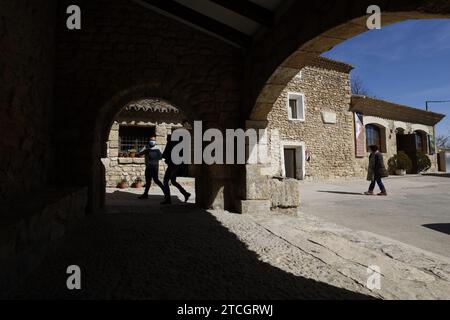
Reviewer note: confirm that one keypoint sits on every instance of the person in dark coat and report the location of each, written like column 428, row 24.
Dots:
column 376, row 171
column 172, row 172
column 152, row 157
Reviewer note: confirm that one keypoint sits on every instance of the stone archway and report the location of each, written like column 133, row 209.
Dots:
column 280, row 56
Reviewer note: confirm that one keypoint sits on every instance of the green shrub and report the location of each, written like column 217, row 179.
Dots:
column 400, row 161
column 423, row 162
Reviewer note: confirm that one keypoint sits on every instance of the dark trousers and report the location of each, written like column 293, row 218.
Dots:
column 151, row 173
column 171, row 175
column 380, row 184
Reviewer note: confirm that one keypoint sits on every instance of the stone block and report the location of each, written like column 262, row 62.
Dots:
column 329, row 117
column 257, row 185
column 114, row 135
column 139, row 160
column 114, row 144
column 113, row 152
column 125, row 160
column 161, row 131
column 284, row 193
column 263, row 154
column 254, row 206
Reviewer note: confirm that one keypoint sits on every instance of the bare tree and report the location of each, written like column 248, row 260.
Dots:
column 358, row 86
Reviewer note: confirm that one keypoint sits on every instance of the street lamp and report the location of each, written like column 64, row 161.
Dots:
column 436, row 101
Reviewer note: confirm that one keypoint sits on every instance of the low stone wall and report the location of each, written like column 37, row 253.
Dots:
column 29, row 229
column 127, row 168
column 284, row 193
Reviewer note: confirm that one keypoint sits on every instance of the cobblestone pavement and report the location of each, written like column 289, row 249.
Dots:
column 140, row 250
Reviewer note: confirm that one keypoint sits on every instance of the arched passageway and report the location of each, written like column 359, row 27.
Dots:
column 125, row 165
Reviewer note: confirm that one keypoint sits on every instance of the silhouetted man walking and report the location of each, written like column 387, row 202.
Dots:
column 173, row 171
column 152, row 157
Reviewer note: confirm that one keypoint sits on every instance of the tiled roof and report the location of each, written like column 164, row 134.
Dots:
column 389, row 110
column 327, row 63
column 151, row 105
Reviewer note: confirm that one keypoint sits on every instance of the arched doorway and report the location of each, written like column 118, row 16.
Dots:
column 124, row 104
column 125, row 167
column 214, row 187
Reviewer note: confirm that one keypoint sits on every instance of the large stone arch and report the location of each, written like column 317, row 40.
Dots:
column 317, row 29
column 302, row 34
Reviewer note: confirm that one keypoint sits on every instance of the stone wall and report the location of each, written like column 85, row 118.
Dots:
column 330, row 144
column 26, row 84
column 34, row 227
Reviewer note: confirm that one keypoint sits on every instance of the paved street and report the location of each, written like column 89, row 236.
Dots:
column 141, row 250
column 417, row 210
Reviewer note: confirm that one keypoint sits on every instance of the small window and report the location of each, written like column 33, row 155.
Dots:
column 296, row 106
column 376, row 136
column 421, row 141
column 373, row 135
column 134, row 138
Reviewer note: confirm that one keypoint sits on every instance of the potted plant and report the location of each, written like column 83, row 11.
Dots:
column 423, row 162
column 122, row 184
column 400, row 164
column 132, row 153
column 138, row 183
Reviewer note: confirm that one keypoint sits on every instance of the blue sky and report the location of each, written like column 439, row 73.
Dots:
column 406, row 63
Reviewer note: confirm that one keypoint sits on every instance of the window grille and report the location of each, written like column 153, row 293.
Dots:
column 134, row 138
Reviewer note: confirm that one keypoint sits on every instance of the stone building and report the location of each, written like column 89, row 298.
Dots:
column 315, row 126
column 130, row 132
column 395, row 128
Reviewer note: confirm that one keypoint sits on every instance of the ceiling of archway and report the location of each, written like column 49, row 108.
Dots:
column 235, row 21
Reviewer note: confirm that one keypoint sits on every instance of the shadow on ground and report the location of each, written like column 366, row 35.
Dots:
column 154, row 252
column 440, row 227
column 342, row 193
